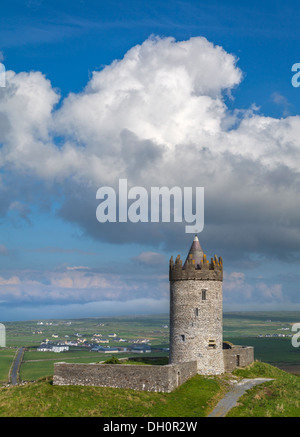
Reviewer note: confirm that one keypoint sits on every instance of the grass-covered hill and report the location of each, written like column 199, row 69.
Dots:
column 278, row 398
column 195, row 398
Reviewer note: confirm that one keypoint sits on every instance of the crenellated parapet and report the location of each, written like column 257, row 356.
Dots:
column 205, row 270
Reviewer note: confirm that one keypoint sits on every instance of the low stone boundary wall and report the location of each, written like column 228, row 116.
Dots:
column 158, row 378
column 137, row 377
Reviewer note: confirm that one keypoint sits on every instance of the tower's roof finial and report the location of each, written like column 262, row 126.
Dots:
column 196, row 252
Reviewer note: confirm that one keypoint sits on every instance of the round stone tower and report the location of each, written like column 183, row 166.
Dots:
column 196, row 311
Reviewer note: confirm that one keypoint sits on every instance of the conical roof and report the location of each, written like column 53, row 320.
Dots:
column 195, row 253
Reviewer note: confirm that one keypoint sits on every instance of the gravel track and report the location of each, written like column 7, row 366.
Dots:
column 230, row 399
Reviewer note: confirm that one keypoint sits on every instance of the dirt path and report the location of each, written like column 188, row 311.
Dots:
column 230, row 399
column 16, row 366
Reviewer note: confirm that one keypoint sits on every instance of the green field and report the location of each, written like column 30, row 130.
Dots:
column 130, row 328
column 6, row 358
column 249, row 324
column 38, row 364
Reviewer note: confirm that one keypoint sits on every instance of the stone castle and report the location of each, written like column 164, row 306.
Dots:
column 196, row 335
column 196, row 311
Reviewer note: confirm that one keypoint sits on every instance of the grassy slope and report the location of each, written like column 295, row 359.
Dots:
column 195, row 398
column 42, row 399
column 278, row 398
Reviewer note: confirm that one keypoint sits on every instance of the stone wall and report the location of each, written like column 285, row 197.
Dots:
column 156, row 378
column 237, row 356
column 137, row 377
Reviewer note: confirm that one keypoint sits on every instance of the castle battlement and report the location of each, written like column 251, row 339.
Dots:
column 203, row 270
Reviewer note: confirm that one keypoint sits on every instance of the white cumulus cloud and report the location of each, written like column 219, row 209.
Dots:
column 158, row 116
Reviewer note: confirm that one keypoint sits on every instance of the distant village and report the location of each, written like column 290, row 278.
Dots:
column 97, row 343
column 277, row 335
column 107, row 344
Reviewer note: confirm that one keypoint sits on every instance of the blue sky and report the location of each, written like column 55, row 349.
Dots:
column 162, row 93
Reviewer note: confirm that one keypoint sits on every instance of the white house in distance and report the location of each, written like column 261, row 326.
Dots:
column 45, row 347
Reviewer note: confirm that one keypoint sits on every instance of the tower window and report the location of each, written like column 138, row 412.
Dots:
column 212, row 344
column 196, row 312
column 182, row 337
column 204, row 294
